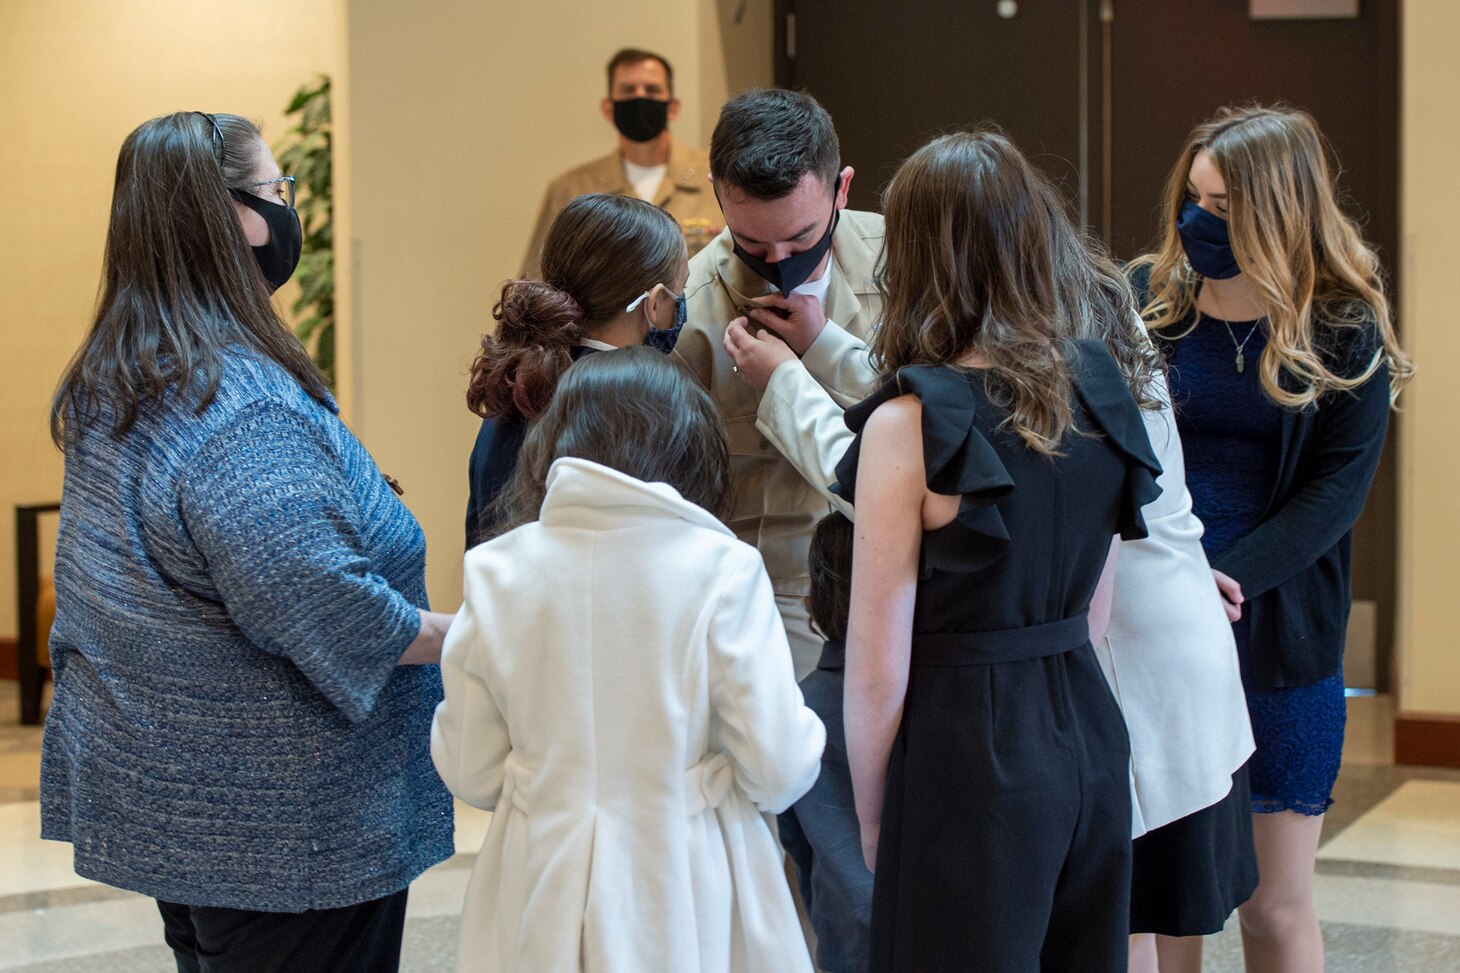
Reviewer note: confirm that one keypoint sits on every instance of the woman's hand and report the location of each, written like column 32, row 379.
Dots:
column 1231, row 595
column 755, row 356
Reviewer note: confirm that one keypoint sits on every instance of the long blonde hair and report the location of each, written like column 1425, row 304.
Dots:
column 1312, row 271
column 981, row 256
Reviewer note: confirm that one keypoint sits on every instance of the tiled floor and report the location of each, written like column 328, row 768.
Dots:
column 1388, row 881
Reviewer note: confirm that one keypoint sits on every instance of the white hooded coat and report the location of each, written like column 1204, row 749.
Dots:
column 619, row 690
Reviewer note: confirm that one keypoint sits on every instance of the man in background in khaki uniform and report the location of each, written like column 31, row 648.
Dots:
column 794, row 260
column 648, row 163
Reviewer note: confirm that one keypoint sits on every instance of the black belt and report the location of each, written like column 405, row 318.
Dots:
column 1005, row 645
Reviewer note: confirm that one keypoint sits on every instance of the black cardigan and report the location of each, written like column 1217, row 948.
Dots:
column 492, row 463
column 1295, row 566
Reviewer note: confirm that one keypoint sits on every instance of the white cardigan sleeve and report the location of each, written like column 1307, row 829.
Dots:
column 765, row 727
column 805, row 424
column 469, row 740
column 841, row 364
column 1182, row 697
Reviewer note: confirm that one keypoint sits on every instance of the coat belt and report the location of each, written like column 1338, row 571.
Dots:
column 707, row 783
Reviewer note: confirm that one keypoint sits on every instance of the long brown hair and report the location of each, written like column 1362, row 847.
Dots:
column 601, row 252
column 981, row 256
column 632, row 410
column 179, row 282
column 1312, row 271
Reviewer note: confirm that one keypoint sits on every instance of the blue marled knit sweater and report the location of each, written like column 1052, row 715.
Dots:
column 232, row 593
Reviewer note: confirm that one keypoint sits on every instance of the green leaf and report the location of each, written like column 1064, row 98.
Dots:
column 306, row 152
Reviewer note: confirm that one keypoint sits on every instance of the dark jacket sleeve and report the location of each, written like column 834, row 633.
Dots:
column 1349, row 430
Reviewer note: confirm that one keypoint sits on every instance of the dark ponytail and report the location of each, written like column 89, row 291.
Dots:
column 601, row 253
column 518, row 368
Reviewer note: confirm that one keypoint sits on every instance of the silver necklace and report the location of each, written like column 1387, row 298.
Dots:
column 1241, row 360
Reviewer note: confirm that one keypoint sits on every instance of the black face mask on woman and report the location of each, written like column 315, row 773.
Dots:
column 664, row 339
column 1206, row 240
column 280, row 256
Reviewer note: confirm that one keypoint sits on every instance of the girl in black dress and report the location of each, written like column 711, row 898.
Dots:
column 993, row 474
column 613, row 273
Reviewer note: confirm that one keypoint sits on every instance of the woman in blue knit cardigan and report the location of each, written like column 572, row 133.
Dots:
column 244, row 663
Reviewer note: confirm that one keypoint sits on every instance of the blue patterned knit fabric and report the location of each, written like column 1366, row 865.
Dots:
column 229, row 725
column 1231, row 434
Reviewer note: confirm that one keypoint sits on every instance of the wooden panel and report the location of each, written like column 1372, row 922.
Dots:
column 895, row 75
column 1427, row 740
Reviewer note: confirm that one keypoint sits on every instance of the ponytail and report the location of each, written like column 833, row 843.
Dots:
column 518, row 368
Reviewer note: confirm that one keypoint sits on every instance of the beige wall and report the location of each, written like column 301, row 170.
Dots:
column 75, row 77
column 459, row 114
column 453, row 153
column 1429, row 471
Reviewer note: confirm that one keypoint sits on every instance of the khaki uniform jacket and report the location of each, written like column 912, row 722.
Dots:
column 684, row 194
column 785, row 444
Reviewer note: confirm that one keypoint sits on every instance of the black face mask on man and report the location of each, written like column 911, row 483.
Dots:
column 640, row 119
column 791, row 272
column 279, row 257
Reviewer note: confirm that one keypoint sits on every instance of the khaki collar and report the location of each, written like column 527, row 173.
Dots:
column 683, row 174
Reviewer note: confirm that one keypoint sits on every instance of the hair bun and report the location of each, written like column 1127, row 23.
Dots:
column 536, row 313
column 518, row 367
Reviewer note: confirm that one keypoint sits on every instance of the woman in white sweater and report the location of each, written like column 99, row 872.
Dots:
column 619, row 691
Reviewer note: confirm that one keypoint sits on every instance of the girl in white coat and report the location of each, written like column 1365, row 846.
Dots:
column 619, row 691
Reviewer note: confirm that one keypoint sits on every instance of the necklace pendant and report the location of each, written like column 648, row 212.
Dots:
column 1241, row 361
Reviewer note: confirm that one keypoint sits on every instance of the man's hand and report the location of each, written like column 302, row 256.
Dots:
column 755, row 356
column 800, row 320
column 1231, row 595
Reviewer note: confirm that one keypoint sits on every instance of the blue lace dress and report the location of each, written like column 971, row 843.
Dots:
column 1232, row 437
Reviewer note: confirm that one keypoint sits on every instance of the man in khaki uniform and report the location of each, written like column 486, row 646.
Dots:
column 648, row 163
column 793, row 259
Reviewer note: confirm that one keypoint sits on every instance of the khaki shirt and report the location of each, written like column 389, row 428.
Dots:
column 684, row 194
column 784, row 445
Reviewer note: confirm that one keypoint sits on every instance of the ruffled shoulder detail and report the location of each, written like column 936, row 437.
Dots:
column 1106, row 397
column 959, row 461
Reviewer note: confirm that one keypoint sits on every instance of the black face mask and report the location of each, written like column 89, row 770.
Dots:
column 640, row 119
column 277, row 258
column 791, row 272
column 1206, row 240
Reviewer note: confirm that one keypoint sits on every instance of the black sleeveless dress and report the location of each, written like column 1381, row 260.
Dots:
column 1005, row 840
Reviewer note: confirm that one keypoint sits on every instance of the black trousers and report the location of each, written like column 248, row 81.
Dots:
column 1005, row 844
column 363, row 938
